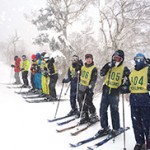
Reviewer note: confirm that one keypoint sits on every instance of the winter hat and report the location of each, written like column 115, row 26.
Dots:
column 43, row 53
column 16, row 57
column 89, row 56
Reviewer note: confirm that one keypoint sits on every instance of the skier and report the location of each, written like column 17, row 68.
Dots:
column 38, row 74
column 33, row 71
column 73, row 78
column 52, row 73
column 88, row 78
column 140, row 101
column 115, row 72
column 25, row 69
column 45, row 79
column 17, row 69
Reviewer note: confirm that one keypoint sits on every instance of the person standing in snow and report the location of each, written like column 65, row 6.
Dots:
column 139, row 86
column 33, row 71
column 73, row 78
column 45, row 78
column 88, row 78
column 17, row 69
column 115, row 72
column 51, row 72
column 38, row 74
column 25, row 65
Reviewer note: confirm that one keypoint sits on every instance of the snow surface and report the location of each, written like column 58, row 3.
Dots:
column 24, row 126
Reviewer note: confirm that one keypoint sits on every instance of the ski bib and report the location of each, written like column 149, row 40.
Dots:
column 114, row 77
column 86, row 73
column 72, row 70
column 139, row 81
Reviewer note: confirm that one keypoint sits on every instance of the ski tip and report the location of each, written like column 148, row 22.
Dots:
column 58, row 131
column 90, row 148
column 73, row 134
column 72, row 145
column 49, row 120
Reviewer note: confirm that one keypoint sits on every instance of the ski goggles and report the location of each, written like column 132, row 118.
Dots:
column 117, row 58
column 139, row 59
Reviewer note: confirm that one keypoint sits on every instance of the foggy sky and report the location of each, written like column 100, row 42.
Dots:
column 12, row 18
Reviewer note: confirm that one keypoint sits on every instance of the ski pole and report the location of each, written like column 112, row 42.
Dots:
column 67, row 88
column 10, row 75
column 59, row 100
column 77, row 91
column 123, row 113
column 83, row 103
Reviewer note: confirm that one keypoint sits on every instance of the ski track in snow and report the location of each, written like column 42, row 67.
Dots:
column 24, row 126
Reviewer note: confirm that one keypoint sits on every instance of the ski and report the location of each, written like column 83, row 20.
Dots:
column 60, row 118
column 96, row 136
column 79, row 130
column 65, row 122
column 26, row 92
column 40, row 100
column 32, row 97
column 67, row 128
column 75, row 124
column 108, row 138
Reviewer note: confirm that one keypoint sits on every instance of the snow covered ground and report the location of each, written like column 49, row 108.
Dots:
column 24, row 126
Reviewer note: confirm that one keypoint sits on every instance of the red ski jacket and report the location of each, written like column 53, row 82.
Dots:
column 17, row 65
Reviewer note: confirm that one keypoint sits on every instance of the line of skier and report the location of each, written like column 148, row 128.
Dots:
column 44, row 74
column 83, row 77
column 118, row 80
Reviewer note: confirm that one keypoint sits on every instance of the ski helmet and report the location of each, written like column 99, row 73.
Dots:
column 46, row 57
column 38, row 55
column 139, row 57
column 33, row 56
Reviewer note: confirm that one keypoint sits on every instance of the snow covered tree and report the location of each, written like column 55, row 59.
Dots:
column 123, row 24
column 120, row 20
column 53, row 21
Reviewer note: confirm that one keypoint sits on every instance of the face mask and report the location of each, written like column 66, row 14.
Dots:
column 117, row 64
column 139, row 64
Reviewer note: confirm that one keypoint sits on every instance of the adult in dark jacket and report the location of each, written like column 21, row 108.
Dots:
column 115, row 72
column 88, row 78
column 140, row 101
column 73, row 78
column 17, row 69
column 51, row 71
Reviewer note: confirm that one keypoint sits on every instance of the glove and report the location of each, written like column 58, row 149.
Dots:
column 45, row 68
column 12, row 66
column 64, row 81
column 46, row 74
column 89, row 89
column 124, row 89
column 111, row 64
column 21, row 69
